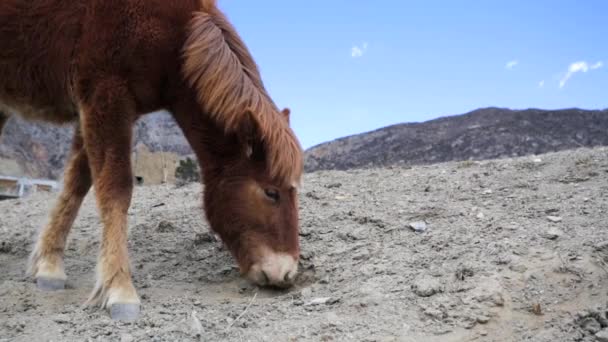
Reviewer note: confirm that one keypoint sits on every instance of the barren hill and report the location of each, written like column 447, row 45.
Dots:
column 481, row 134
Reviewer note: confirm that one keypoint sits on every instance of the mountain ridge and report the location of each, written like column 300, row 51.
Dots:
column 461, row 137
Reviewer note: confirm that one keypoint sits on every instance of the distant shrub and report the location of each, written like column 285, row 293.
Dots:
column 187, row 171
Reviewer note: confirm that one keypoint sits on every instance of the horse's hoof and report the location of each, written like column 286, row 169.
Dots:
column 124, row 312
column 50, row 284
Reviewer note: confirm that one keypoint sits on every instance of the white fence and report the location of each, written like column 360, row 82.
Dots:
column 13, row 187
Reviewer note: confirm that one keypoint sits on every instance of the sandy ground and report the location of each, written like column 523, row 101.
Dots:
column 514, row 250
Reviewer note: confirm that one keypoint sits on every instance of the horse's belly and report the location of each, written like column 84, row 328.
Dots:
column 49, row 113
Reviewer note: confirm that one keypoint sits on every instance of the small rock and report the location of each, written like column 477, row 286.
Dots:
column 61, row 319
column 435, row 313
column 126, row 338
column 418, row 226
column 537, row 309
column 195, row 324
column 483, row 319
column 498, row 299
column 519, row 268
column 591, row 325
column 332, row 319
column 537, row 160
column 363, row 254
column 481, row 216
column 164, row 227
column 601, row 246
column 553, row 234
column 323, row 300
column 306, row 292
column 602, row 336
column 201, row 238
column 464, row 272
column 554, row 219
column 426, row 286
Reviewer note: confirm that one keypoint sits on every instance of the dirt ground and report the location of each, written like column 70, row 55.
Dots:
column 510, row 250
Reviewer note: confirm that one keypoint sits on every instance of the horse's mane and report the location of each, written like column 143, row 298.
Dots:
column 229, row 88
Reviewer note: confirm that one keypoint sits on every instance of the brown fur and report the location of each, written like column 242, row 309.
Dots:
column 103, row 64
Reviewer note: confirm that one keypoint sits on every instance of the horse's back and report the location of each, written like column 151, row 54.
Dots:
column 47, row 46
column 37, row 41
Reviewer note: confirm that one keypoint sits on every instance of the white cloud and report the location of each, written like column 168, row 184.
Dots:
column 575, row 67
column 358, row 51
column 541, row 84
column 511, row 64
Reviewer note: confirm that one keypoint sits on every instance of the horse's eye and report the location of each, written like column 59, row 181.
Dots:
column 272, row 194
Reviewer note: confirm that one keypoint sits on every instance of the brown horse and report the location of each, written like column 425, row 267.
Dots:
column 103, row 64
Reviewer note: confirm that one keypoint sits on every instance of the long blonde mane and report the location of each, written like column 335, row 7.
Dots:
column 218, row 65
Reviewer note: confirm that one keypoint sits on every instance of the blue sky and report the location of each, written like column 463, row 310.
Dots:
column 349, row 66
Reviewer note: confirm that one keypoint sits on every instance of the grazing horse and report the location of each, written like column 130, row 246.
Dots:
column 102, row 64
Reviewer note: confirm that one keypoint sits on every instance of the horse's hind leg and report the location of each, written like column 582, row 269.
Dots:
column 46, row 261
column 108, row 116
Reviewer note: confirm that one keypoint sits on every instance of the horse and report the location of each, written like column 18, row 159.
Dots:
column 101, row 65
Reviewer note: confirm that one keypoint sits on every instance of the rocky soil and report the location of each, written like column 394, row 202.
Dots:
column 498, row 250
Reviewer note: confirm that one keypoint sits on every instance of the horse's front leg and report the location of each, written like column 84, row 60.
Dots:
column 108, row 114
column 46, row 261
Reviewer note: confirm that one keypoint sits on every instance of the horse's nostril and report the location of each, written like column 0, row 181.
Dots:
column 265, row 278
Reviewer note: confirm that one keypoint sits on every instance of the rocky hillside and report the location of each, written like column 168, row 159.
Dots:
column 481, row 134
column 40, row 150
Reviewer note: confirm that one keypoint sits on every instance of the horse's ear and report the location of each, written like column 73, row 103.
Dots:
column 250, row 138
column 286, row 112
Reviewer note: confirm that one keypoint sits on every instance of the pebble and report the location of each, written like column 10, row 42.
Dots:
column 519, row 268
column 554, row 219
column 418, row 226
column 553, row 233
column 483, row 319
column 426, row 286
column 165, row 227
column 601, row 246
column 126, row 338
column 323, row 300
column 481, row 216
column 195, row 324
column 307, row 292
column 332, row 319
column 602, row 336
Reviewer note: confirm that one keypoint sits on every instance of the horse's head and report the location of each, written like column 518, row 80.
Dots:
column 255, row 215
